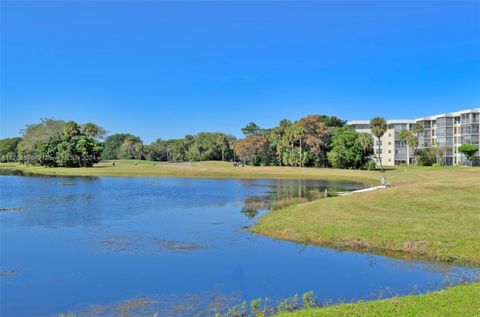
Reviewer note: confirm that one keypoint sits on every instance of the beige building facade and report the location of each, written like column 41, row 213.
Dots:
column 448, row 130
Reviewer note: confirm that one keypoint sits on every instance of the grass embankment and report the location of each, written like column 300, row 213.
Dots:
column 462, row 300
column 430, row 213
column 199, row 170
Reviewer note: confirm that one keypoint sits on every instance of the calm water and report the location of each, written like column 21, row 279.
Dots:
column 96, row 244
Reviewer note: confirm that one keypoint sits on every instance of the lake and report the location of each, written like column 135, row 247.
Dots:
column 107, row 245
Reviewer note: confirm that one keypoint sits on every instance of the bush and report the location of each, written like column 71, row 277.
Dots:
column 436, row 165
column 426, row 157
column 347, row 151
column 370, row 165
column 8, row 149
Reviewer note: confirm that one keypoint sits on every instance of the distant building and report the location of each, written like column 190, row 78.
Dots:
column 449, row 130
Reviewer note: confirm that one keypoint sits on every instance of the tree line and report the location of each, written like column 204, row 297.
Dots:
column 311, row 141
column 315, row 140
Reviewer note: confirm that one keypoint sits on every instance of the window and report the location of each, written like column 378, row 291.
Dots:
column 389, row 151
column 389, row 143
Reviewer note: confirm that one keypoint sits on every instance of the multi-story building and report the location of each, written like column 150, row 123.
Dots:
column 448, row 131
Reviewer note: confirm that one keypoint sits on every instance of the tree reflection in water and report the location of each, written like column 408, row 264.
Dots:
column 283, row 193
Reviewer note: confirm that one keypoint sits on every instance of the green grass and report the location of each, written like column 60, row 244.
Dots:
column 199, row 170
column 462, row 300
column 428, row 213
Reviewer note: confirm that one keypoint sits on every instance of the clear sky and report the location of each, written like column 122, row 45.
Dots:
column 166, row 69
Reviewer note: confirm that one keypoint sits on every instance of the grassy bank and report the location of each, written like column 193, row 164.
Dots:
column 429, row 213
column 199, row 170
column 459, row 300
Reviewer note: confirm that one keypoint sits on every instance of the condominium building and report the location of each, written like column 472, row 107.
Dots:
column 448, row 130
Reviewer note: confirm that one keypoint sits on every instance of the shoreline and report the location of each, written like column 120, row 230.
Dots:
column 201, row 170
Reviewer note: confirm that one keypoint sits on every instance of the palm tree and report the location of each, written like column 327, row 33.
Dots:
column 298, row 133
column 279, row 136
column 71, row 128
column 416, row 129
column 222, row 142
column 406, row 136
column 366, row 142
column 440, row 151
column 231, row 147
column 378, row 126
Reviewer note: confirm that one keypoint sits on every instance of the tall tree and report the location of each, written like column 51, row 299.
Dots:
column 222, row 142
column 378, row 126
column 209, row 146
column 279, row 138
column 113, row 144
column 254, row 149
column 93, row 130
column 67, row 150
column 131, row 148
column 440, row 151
column 316, row 136
column 231, row 145
column 347, row 150
column 33, row 134
column 251, row 128
column 366, row 142
column 298, row 133
column 78, row 151
column 417, row 129
column 332, row 121
column 8, row 149
column 407, row 137
column 72, row 128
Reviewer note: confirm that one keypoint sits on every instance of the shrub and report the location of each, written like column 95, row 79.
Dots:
column 426, row 157
column 370, row 165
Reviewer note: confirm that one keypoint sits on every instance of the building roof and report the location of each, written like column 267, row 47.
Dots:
column 450, row 114
column 388, row 122
column 434, row 117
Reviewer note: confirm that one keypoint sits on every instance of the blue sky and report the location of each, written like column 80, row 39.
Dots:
column 166, row 69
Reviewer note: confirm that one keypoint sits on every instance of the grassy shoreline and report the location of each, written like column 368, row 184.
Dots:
column 460, row 300
column 428, row 214
column 130, row 168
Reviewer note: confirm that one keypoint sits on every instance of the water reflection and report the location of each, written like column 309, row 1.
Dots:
column 66, row 202
column 283, row 193
column 252, row 205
